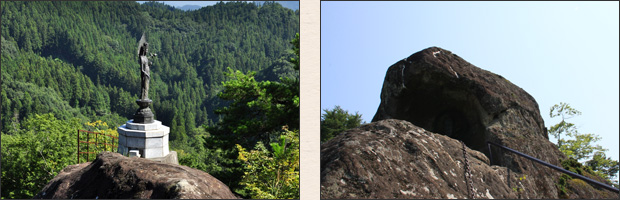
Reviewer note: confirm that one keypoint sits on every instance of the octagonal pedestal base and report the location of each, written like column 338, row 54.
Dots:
column 151, row 139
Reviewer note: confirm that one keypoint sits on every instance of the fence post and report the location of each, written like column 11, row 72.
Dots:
column 78, row 149
column 87, row 147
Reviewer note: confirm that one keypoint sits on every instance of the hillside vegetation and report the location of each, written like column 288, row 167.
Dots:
column 68, row 63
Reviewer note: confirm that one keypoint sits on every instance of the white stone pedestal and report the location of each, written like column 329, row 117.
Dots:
column 151, row 140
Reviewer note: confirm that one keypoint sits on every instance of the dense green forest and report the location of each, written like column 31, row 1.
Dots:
column 65, row 64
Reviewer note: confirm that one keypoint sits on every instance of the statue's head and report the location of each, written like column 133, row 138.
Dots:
column 144, row 49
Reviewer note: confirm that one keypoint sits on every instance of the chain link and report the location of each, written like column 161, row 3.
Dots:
column 468, row 175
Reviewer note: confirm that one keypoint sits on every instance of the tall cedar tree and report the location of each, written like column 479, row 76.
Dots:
column 337, row 120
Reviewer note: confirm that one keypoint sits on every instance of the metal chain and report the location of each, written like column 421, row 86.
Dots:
column 470, row 187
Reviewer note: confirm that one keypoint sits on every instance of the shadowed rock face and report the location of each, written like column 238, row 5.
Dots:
column 113, row 176
column 439, row 91
column 443, row 93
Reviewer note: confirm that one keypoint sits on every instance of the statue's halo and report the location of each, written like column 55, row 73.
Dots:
column 142, row 41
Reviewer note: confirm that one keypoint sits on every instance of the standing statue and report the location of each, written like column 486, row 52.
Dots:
column 143, row 60
column 144, row 114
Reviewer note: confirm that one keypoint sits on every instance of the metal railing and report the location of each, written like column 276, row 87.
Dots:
column 88, row 143
column 573, row 174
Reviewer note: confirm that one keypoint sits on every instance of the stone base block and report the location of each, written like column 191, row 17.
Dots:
column 151, row 140
column 133, row 153
column 171, row 158
column 139, row 126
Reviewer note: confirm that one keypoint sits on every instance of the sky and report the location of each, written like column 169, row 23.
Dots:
column 178, row 4
column 556, row 51
column 182, row 3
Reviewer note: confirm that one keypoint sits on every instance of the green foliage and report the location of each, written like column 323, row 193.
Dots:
column 257, row 108
column 78, row 60
column 272, row 174
column 604, row 166
column 563, row 128
column 580, row 147
column 256, row 113
column 565, row 182
column 83, row 52
column 562, row 186
column 295, row 60
column 22, row 98
column 572, row 165
column 220, row 163
column 337, row 120
column 103, row 128
column 31, row 157
column 574, row 144
column 9, row 48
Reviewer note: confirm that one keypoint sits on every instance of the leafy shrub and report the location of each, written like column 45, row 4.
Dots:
column 41, row 148
column 272, row 174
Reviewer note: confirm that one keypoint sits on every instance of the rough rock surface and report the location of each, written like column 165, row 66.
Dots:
column 396, row 159
column 113, row 176
column 441, row 92
column 436, row 91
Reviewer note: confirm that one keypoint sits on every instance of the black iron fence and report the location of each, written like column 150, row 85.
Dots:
column 573, row 174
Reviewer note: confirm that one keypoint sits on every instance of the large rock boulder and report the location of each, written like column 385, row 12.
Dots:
column 396, row 159
column 430, row 102
column 441, row 92
column 113, row 176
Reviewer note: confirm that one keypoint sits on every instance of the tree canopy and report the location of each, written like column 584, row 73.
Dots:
column 337, row 120
column 85, row 52
column 581, row 147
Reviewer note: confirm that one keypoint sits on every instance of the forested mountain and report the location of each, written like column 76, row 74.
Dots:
column 78, row 59
column 189, row 7
column 293, row 5
column 225, row 79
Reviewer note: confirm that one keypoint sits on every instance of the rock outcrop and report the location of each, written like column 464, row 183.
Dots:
column 113, row 176
column 441, row 92
column 396, row 159
column 439, row 100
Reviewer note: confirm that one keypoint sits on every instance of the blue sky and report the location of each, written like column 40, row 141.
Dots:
column 182, row 3
column 179, row 4
column 556, row 51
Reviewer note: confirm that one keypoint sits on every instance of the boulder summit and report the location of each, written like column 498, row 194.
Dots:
column 113, row 176
column 430, row 103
